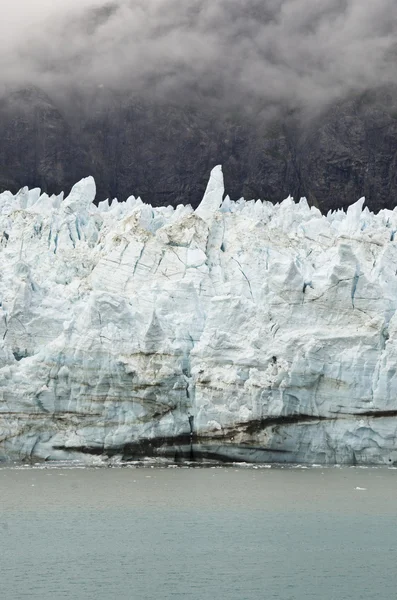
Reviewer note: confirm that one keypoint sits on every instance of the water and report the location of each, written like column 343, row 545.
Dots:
column 198, row 534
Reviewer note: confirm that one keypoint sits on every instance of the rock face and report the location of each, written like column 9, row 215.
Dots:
column 239, row 331
column 164, row 152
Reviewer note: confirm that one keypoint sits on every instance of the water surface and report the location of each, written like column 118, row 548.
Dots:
column 200, row 534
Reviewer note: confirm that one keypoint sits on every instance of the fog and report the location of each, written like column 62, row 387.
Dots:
column 295, row 53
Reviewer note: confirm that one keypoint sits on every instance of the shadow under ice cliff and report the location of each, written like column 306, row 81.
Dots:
column 241, row 331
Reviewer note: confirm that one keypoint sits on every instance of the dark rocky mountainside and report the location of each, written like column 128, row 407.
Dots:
column 164, row 152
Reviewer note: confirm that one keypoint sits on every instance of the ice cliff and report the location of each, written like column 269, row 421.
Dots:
column 238, row 331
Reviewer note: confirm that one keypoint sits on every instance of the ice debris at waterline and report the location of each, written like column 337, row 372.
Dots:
column 238, row 331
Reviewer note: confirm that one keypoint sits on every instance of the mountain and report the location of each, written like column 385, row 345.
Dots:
column 164, row 151
column 241, row 331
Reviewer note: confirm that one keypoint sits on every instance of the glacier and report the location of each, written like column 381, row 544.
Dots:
column 239, row 331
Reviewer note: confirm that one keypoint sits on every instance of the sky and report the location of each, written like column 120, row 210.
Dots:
column 300, row 53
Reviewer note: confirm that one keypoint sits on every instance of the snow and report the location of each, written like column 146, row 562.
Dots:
column 271, row 330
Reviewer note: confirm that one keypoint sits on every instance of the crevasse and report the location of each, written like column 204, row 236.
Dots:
column 238, row 331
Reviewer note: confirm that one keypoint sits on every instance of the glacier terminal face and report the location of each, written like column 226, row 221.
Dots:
column 241, row 331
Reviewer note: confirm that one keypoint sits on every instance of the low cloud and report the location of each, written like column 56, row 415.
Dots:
column 295, row 53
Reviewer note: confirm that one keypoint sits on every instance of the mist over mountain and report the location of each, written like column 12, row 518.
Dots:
column 291, row 96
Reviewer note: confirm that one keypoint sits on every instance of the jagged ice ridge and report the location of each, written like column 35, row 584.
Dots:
column 238, row 331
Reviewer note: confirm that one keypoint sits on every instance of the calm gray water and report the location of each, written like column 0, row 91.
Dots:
column 199, row 534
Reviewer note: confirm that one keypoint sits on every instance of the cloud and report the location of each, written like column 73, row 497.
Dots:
column 294, row 53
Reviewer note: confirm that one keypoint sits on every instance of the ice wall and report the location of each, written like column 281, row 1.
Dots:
column 239, row 331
